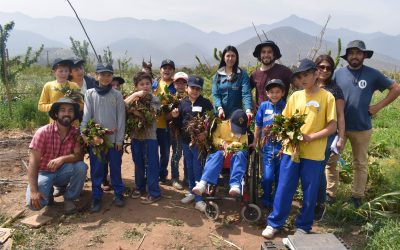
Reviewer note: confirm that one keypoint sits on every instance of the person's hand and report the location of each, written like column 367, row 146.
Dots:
column 253, row 145
column 85, row 139
column 35, row 198
column 224, row 145
column 141, row 93
column 307, row 138
column 341, row 143
column 373, row 109
column 221, row 113
column 118, row 147
column 249, row 117
column 175, row 112
column 55, row 163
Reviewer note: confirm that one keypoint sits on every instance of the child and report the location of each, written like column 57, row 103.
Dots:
column 167, row 69
column 180, row 84
column 145, row 147
column 106, row 106
column 79, row 77
column 275, row 91
column 50, row 93
column 117, row 81
column 229, row 133
column 192, row 105
column 319, row 105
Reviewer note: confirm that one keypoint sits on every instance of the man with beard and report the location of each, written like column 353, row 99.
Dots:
column 267, row 53
column 55, row 158
column 358, row 83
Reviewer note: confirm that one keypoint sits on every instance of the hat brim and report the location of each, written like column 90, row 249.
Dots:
column 275, row 48
column 368, row 53
column 238, row 129
column 170, row 64
column 183, row 78
column 104, row 70
column 119, row 79
column 273, row 85
column 65, row 62
column 195, row 85
column 56, row 106
column 78, row 62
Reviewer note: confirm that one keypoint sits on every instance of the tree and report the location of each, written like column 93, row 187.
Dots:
column 81, row 50
column 107, row 56
column 10, row 68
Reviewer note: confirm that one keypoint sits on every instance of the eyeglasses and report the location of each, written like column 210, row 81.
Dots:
column 323, row 67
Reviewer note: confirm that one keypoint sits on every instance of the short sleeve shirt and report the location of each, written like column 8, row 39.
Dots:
column 358, row 86
column 48, row 142
column 335, row 90
column 320, row 109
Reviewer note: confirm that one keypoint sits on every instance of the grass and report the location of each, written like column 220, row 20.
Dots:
column 132, row 234
column 175, row 222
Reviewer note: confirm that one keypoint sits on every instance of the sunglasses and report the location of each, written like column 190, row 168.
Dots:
column 323, row 67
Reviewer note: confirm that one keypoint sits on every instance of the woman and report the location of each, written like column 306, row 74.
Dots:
column 326, row 66
column 231, row 86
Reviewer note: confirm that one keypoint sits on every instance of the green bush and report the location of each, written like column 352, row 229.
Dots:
column 27, row 114
column 387, row 237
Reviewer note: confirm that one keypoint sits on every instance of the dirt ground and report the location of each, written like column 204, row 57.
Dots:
column 167, row 224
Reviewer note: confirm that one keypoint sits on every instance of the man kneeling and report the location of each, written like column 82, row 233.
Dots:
column 55, row 158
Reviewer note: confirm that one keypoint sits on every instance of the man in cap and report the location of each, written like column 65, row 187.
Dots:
column 267, row 52
column 358, row 83
column 56, row 158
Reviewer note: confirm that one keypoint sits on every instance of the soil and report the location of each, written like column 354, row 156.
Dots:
column 167, row 224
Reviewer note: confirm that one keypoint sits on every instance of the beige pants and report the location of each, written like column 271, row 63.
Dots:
column 332, row 175
column 359, row 141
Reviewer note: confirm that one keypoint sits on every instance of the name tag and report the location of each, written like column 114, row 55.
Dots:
column 197, row 109
column 269, row 111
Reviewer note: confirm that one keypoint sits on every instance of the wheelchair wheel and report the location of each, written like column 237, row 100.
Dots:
column 212, row 210
column 251, row 213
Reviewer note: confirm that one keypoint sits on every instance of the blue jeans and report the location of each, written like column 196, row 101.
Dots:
column 177, row 147
column 214, row 165
column 97, row 172
column 146, row 151
column 164, row 142
column 72, row 175
column 271, row 174
column 309, row 172
column 194, row 167
column 321, row 199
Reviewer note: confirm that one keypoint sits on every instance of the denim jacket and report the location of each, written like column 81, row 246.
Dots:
column 231, row 95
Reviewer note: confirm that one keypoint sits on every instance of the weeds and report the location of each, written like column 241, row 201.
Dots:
column 175, row 222
column 132, row 235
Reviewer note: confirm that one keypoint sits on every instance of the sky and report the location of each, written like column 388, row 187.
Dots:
column 225, row 15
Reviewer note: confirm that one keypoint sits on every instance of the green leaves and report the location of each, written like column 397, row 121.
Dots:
column 96, row 138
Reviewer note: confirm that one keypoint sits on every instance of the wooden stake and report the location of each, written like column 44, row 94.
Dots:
column 13, row 218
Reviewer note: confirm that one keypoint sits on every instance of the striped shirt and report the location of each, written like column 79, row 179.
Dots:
column 48, row 142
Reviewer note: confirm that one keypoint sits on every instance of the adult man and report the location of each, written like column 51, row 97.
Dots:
column 358, row 83
column 267, row 52
column 56, row 159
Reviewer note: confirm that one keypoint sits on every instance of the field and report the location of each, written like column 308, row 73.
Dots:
column 170, row 225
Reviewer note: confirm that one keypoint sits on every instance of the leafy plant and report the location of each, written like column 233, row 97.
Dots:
column 96, row 137
column 74, row 94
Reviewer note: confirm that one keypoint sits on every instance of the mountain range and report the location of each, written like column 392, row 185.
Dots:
column 181, row 42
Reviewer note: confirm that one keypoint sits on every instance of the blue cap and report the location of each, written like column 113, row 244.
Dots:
column 64, row 62
column 166, row 62
column 304, row 65
column 195, row 81
column 275, row 83
column 239, row 122
column 104, row 68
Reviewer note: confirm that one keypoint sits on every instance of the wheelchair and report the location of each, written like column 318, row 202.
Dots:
column 250, row 211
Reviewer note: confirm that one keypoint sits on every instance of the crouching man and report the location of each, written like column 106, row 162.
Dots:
column 56, row 159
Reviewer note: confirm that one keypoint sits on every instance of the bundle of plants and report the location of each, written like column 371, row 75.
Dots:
column 287, row 131
column 234, row 147
column 96, row 138
column 169, row 101
column 200, row 129
column 174, row 130
column 140, row 115
column 73, row 94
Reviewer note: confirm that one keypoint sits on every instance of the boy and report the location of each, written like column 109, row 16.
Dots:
column 167, row 69
column 145, row 147
column 79, row 77
column 229, row 133
column 319, row 105
column 106, row 106
column 61, row 69
column 192, row 105
column 180, row 83
column 117, row 81
column 275, row 91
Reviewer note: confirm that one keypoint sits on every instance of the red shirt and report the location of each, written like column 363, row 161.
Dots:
column 48, row 142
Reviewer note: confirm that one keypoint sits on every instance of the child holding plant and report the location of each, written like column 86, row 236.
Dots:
column 144, row 143
column 192, row 105
column 105, row 106
column 319, row 107
column 275, row 91
column 229, row 136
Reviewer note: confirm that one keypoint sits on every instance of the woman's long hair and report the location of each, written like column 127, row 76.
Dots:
column 222, row 63
column 329, row 59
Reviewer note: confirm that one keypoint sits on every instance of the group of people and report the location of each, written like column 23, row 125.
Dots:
column 336, row 104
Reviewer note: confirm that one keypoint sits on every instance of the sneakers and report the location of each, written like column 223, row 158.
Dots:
column 58, row 191
column 356, row 202
column 269, row 232
column 234, row 191
column 201, row 206
column 69, row 207
column 300, row 231
column 150, row 199
column 96, row 206
column 176, row 185
column 136, row 194
column 319, row 212
column 106, row 186
column 163, row 181
column 118, row 201
column 199, row 188
column 188, row 198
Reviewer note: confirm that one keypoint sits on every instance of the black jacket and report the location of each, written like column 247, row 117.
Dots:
column 90, row 82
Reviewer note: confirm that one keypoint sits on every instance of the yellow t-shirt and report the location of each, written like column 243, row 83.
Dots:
column 320, row 109
column 161, row 121
column 223, row 133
